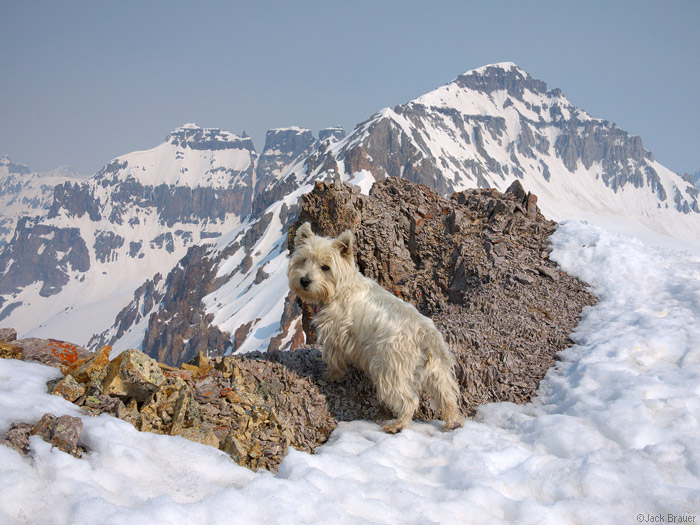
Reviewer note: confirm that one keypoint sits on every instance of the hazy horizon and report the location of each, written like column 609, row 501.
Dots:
column 85, row 82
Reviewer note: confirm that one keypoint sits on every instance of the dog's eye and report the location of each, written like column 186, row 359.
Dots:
column 325, row 267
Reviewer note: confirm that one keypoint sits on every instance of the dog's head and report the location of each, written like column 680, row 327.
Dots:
column 320, row 266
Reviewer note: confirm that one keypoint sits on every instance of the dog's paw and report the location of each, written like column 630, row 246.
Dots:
column 394, row 427
column 452, row 424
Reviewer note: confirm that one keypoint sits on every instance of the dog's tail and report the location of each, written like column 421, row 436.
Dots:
column 440, row 381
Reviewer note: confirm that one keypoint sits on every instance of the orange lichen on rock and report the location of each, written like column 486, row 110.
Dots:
column 93, row 367
column 63, row 350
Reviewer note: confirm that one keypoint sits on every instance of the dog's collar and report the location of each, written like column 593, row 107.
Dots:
column 317, row 307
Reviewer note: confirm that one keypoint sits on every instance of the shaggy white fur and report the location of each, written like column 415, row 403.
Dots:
column 358, row 322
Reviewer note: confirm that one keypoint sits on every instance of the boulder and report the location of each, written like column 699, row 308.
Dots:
column 7, row 335
column 62, row 432
column 8, row 351
column 91, row 368
column 52, row 352
column 132, row 374
column 17, row 437
column 68, row 388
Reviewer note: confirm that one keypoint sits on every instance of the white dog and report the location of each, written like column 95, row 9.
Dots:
column 358, row 322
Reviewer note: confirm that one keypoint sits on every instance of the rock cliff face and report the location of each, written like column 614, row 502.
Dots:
column 695, row 179
column 179, row 329
column 334, row 134
column 191, row 136
column 47, row 254
column 284, row 147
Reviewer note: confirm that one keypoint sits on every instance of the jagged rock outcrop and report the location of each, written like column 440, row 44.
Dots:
column 76, row 199
column 476, row 263
column 283, row 148
column 252, row 409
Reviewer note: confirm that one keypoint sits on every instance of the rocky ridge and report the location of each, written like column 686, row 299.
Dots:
column 252, row 409
column 477, row 263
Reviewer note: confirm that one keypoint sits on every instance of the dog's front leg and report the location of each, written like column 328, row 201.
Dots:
column 335, row 362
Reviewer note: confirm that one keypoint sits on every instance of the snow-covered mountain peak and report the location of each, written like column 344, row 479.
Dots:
column 64, row 171
column 501, row 90
column 8, row 167
column 505, row 66
column 495, row 124
column 503, row 75
column 194, row 137
column 191, row 156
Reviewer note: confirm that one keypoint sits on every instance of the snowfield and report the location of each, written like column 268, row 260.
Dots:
column 612, row 436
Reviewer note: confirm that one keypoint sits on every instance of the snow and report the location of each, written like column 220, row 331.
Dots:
column 364, row 179
column 612, row 434
column 240, row 301
column 193, row 168
column 24, row 193
column 289, row 128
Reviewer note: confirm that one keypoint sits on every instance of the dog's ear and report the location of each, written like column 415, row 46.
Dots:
column 302, row 235
column 343, row 243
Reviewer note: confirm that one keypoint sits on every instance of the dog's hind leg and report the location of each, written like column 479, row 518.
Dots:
column 439, row 380
column 443, row 390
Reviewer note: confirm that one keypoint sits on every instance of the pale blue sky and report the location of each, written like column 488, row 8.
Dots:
column 82, row 82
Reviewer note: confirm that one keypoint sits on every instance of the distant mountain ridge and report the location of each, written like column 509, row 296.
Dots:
column 695, row 179
column 186, row 242
column 24, row 193
column 135, row 218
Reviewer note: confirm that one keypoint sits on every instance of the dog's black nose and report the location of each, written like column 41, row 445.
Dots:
column 305, row 282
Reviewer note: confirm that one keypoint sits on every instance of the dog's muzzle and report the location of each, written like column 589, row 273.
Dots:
column 305, row 282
